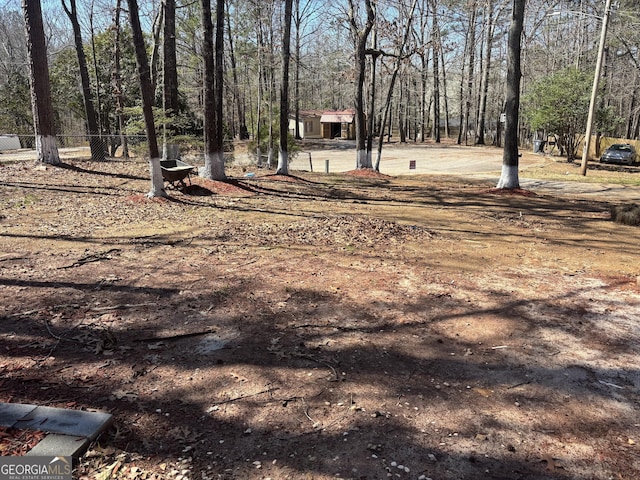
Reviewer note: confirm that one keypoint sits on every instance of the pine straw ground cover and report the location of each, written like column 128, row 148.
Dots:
column 15, row 442
column 323, row 326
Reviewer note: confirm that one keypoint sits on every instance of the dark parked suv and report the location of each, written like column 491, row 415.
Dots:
column 619, row 153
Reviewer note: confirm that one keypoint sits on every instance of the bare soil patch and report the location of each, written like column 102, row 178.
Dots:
column 323, row 326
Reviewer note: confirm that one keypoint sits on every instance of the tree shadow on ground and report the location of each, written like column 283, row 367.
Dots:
column 235, row 341
column 75, row 167
column 348, row 391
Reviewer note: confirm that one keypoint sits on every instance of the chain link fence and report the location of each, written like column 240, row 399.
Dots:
column 121, row 147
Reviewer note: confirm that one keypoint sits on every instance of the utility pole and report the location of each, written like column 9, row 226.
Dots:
column 594, row 92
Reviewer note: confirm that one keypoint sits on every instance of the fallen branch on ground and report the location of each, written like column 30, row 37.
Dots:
column 122, row 305
column 177, row 336
column 242, row 397
column 93, row 257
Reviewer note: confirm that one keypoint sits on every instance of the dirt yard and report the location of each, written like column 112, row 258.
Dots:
column 323, row 326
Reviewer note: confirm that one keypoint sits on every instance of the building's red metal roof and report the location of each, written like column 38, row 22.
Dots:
column 337, row 116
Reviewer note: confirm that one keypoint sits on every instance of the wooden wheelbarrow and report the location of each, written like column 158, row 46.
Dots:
column 175, row 172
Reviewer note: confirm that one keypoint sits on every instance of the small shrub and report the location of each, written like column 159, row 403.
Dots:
column 252, row 145
column 188, row 143
column 626, row 214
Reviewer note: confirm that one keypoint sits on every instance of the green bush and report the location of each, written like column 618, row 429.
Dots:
column 252, row 145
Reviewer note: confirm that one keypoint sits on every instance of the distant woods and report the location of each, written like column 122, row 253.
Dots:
column 418, row 70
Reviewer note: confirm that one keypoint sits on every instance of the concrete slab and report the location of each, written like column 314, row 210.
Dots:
column 66, row 422
column 55, row 445
column 10, row 413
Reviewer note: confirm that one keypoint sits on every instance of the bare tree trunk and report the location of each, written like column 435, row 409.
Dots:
column 486, row 66
column 509, row 176
column 428, row 110
column 272, row 87
column 270, row 73
column 416, row 111
column 260, row 87
column 95, row 143
column 213, row 90
column 498, row 139
column 243, row 132
column 387, row 125
column 470, row 72
column 436, row 72
column 607, row 80
column 283, row 157
column 423, row 101
column 402, row 113
column 461, row 98
column 169, row 74
column 360, row 36
column 298, row 21
column 394, row 76
column 41, row 104
column 170, row 63
column 96, row 73
column 445, row 96
column 424, row 61
column 219, row 89
column 259, row 115
column 372, row 90
column 117, row 80
column 490, row 23
column 144, row 76
column 632, row 107
column 158, row 22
